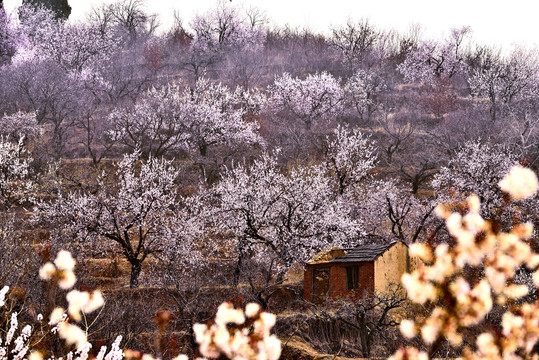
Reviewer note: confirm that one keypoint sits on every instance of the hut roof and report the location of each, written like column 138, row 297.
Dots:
column 327, row 255
column 363, row 253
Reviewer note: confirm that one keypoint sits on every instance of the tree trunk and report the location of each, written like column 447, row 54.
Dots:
column 58, row 141
column 279, row 279
column 308, row 124
column 415, row 184
column 389, row 153
column 239, row 263
column 136, row 267
column 262, row 300
column 493, row 107
column 203, row 148
column 193, row 340
column 364, row 335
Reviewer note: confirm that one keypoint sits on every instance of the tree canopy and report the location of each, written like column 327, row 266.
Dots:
column 61, row 8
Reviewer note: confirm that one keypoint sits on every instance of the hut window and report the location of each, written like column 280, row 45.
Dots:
column 352, row 277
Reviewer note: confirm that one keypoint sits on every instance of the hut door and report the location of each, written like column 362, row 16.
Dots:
column 320, row 285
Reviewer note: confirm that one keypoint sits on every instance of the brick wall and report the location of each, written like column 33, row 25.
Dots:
column 337, row 282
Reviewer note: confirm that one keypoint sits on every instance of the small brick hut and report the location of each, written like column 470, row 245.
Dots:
column 355, row 272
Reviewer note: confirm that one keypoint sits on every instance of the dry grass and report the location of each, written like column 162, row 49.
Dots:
column 296, row 348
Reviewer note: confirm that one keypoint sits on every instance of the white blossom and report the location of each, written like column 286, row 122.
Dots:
column 315, row 100
column 15, row 183
column 72, row 334
column 3, row 293
column 408, row 329
column 83, row 301
column 521, row 183
column 350, row 155
column 64, row 261
column 252, row 309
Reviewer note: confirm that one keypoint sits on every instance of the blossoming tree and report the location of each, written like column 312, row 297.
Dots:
column 135, row 210
column 74, row 46
column 460, row 302
column 19, row 125
column 355, row 41
column 218, row 32
column 313, row 101
column 284, row 217
column 350, row 155
column 172, row 118
column 15, row 182
column 432, row 60
column 364, row 90
column 476, row 168
column 505, row 80
column 6, row 41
